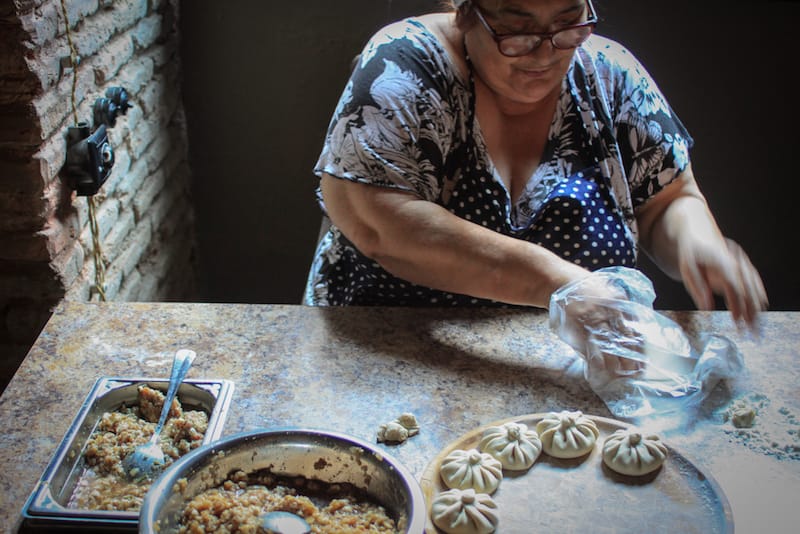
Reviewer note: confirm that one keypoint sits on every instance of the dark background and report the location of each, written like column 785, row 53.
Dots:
column 261, row 80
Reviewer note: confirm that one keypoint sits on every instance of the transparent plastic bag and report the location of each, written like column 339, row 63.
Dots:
column 639, row 362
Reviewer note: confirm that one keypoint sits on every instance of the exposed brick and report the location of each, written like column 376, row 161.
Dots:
column 111, row 58
column 122, row 163
column 130, row 287
column 68, row 264
column 163, row 54
column 46, row 63
column 42, row 24
column 111, row 283
column 147, row 290
column 135, row 248
column 147, row 31
column 81, row 288
column 163, row 203
column 106, row 214
column 148, row 186
column 97, row 30
column 134, row 75
column 132, row 180
column 158, row 150
column 50, row 157
column 54, row 108
column 150, row 96
column 145, row 195
column 115, row 239
column 141, row 137
column 60, row 235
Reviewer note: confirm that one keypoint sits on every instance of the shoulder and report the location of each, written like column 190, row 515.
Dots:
column 607, row 54
column 424, row 40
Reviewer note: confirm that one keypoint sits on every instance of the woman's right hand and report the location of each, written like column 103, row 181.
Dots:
column 595, row 314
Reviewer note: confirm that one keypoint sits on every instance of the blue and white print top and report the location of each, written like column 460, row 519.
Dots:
column 406, row 121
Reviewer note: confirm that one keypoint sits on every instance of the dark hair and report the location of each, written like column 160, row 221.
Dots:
column 465, row 12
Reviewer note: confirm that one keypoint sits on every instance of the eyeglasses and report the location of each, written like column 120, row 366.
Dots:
column 520, row 44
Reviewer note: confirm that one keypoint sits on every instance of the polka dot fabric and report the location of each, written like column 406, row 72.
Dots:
column 580, row 223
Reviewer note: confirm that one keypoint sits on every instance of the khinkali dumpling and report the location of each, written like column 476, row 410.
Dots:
column 513, row 444
column 464, row 512
column 628, row 452
column 471, row 469
column 567, row 434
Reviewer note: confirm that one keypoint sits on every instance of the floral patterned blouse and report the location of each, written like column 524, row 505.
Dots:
column 406, row 121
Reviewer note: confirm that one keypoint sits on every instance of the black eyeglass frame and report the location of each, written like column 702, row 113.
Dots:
column 538, row 37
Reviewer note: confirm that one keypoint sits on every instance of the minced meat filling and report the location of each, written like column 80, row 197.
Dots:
column 236, row 504
column 103, row 485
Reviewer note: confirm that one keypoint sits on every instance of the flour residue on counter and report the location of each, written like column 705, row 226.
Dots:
column 762, row 425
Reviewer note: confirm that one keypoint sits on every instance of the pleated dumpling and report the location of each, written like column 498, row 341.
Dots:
column 628, row 452
column 458, row 511
column 462, row 469
column 515, row 445
column 567, row 434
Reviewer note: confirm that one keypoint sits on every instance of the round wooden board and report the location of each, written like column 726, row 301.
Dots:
column 583, row 495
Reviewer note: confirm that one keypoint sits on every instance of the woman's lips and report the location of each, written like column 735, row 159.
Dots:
column 536, row 72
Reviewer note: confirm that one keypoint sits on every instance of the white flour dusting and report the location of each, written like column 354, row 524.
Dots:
column 775, row 429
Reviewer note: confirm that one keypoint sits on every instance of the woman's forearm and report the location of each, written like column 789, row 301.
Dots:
column 677, row 215
column 425, row 244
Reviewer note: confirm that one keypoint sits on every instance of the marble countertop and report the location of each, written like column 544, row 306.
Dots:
column 351, row 369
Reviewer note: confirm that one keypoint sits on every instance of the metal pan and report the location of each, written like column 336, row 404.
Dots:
column 47, row 508
column 314, row 454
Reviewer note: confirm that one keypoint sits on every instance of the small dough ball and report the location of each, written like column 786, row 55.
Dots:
column 392, row 432
column 409, row 422
column 567, row 434
column 515, row 445
column 473, row 469
column 458, row 511
column 628, row 452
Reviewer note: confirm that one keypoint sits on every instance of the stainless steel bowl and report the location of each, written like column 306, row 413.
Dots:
column 316, row 454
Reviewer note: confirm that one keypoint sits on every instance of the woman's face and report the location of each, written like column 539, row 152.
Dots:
column 530, row 78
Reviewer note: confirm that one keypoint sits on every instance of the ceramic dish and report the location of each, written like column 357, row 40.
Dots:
column 583, row 495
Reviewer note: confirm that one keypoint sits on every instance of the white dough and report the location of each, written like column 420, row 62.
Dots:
column 515, row 445
column 458, row 511
column 392, row 432
column 462, row 469
column 567, row 434
column 628, row 452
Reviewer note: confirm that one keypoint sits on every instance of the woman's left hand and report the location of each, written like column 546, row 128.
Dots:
column 679, row 231
column 707, row 269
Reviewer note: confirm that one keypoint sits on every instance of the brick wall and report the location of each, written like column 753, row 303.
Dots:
column 144, row 212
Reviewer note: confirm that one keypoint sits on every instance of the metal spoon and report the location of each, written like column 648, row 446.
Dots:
column 284, row 523
column 148, row 459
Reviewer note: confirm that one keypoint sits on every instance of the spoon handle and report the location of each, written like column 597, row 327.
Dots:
column 180, row 366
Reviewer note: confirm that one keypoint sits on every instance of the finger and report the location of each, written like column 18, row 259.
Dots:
column 754, row 293
column 696, row 285
column 752, row 280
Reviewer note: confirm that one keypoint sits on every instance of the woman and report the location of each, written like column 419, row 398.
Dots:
column 496, row 152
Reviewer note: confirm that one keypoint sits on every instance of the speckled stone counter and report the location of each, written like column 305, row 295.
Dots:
column 351, row 369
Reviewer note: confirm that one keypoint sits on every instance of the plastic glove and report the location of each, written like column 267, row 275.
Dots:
column 638, row 361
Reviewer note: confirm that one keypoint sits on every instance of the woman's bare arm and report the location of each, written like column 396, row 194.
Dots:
column 424, row 243
column 678, row 230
